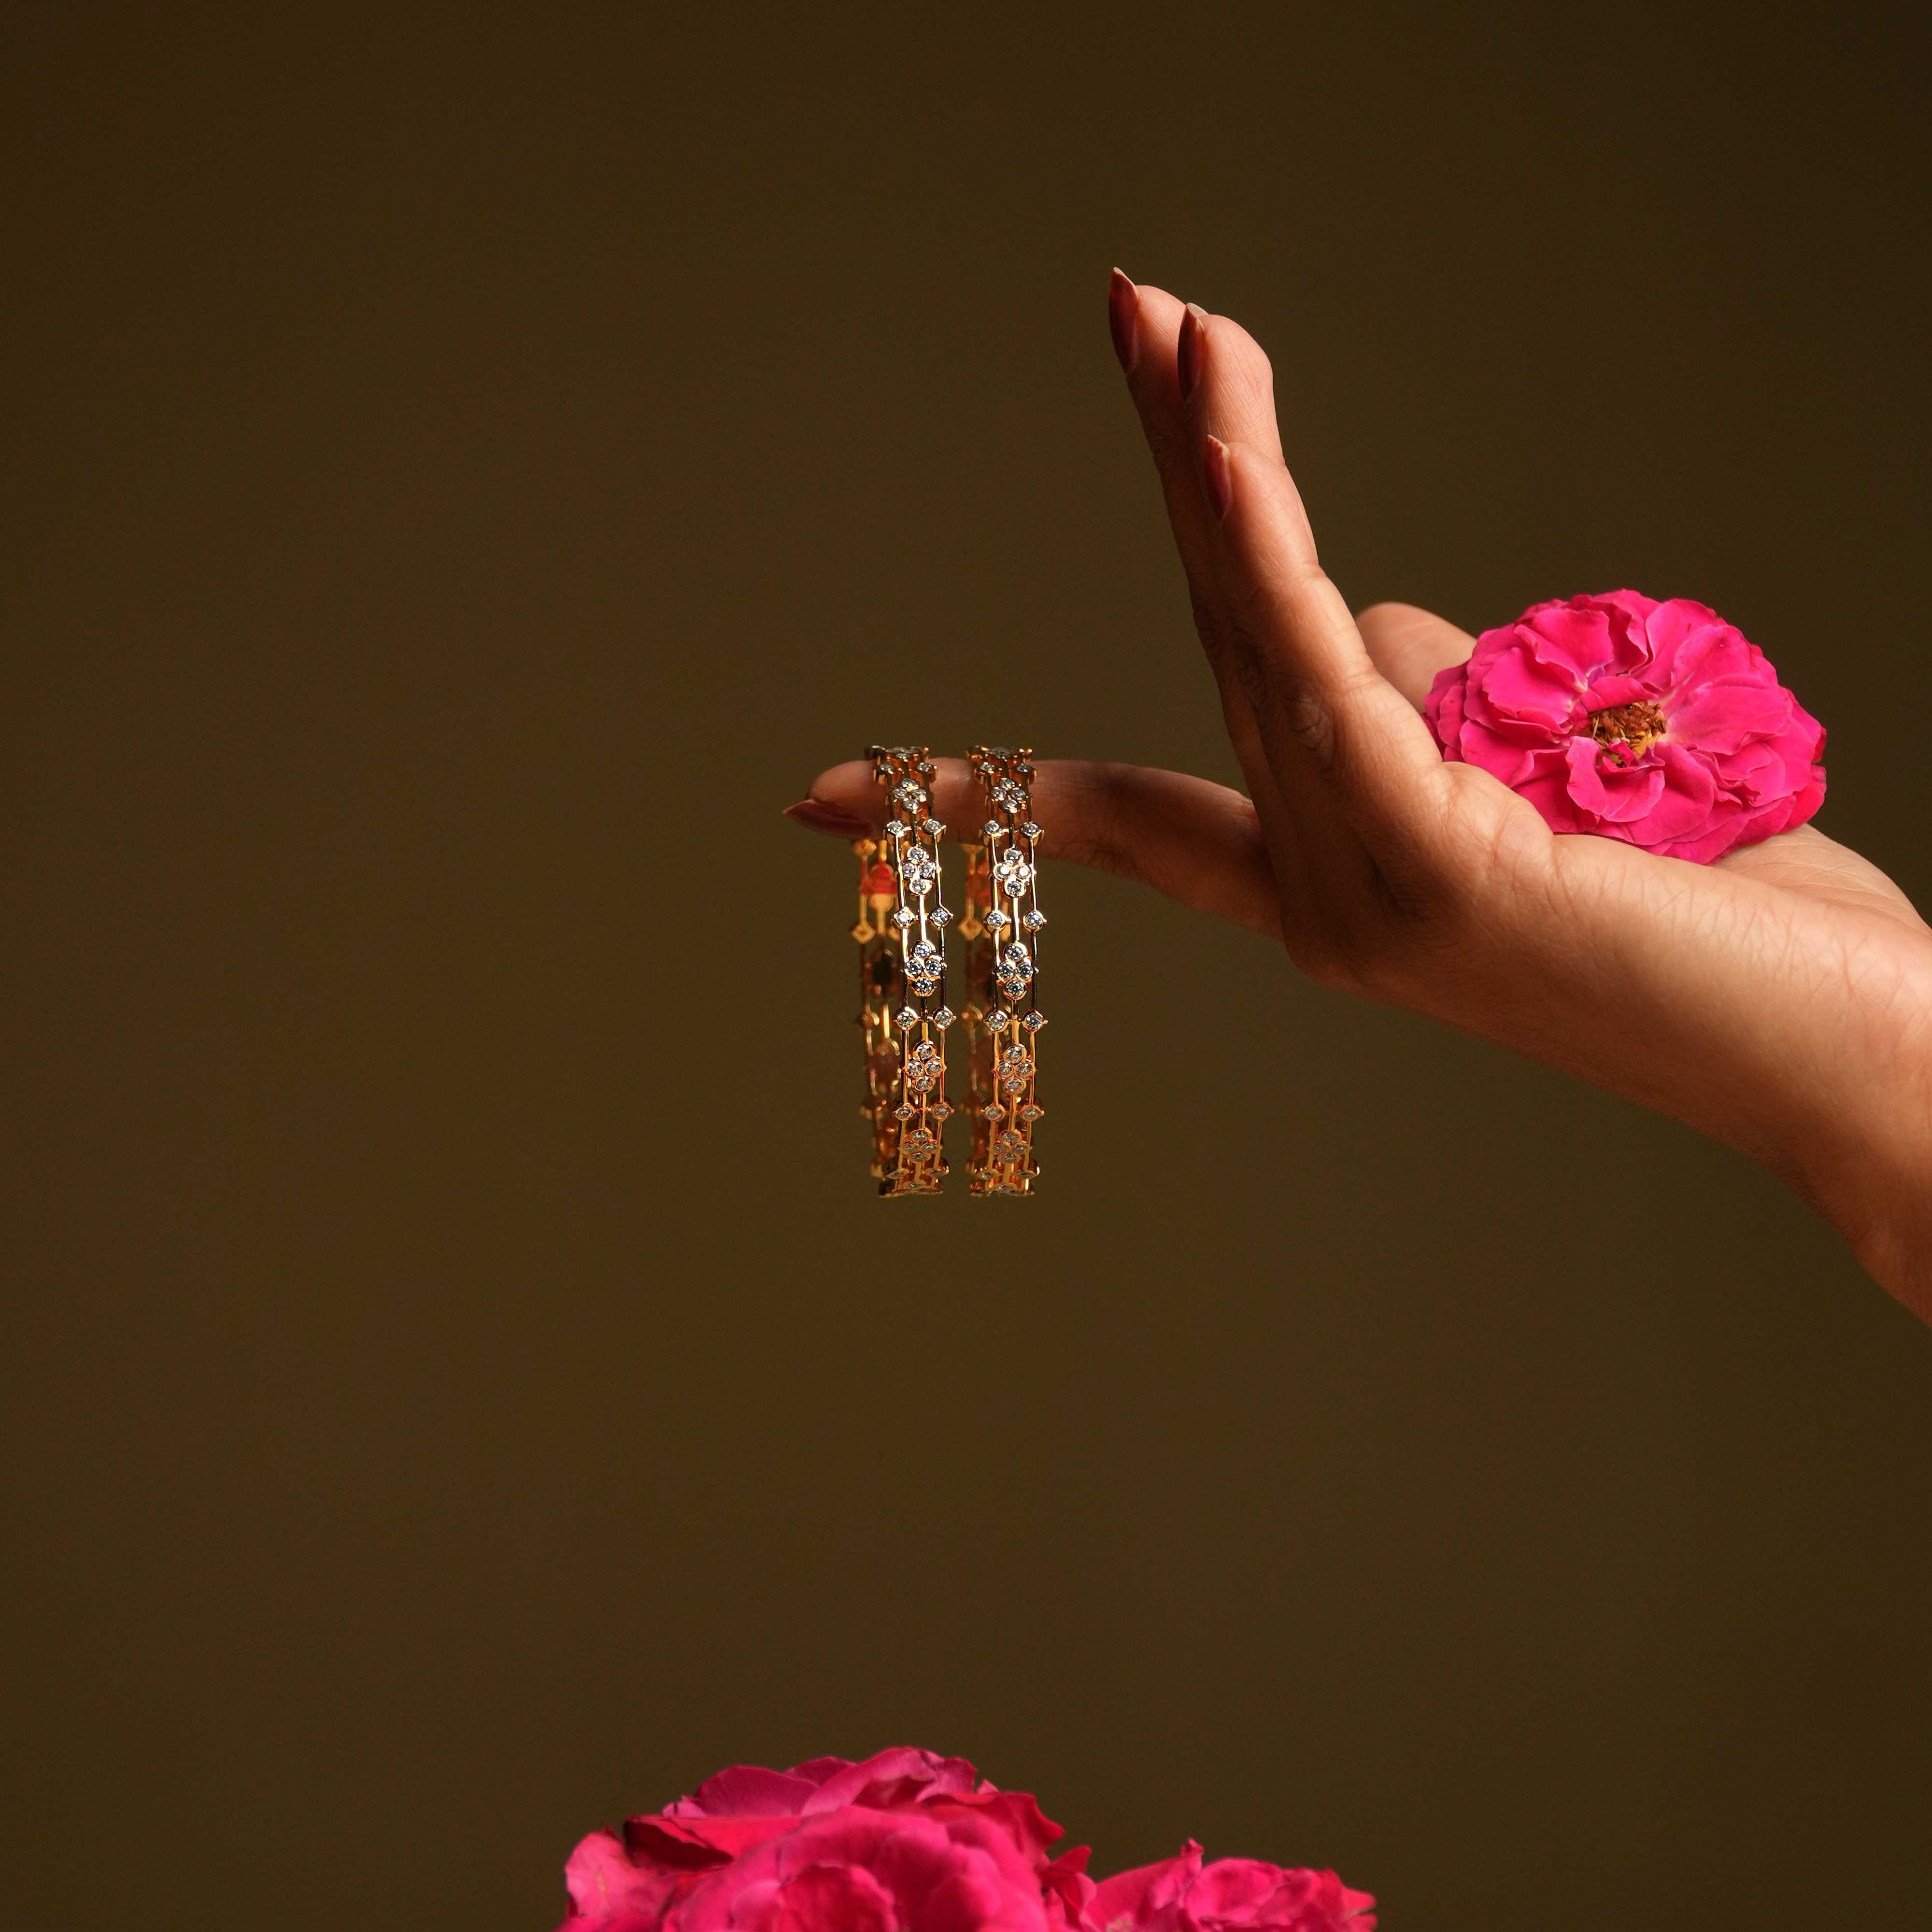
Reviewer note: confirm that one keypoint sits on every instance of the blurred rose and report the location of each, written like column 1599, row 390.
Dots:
column 1181, row 1894
column 908, row 1841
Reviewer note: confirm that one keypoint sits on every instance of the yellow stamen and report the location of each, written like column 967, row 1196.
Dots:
column 1639, row 725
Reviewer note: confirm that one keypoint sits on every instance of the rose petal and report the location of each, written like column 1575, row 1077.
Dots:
column 1578, row 638
column 1678, row 633
column 691, row 1844
column 1690, row 789
column 1525, row 687
column 1131, row 1896
column 1529, row 733
column 747, row 1790
column 1726, row 714
column 896, row 1776
column 1015, row 1813
column 1232, row 1886
column 609, row 1894
column 1546, row 784
column 1442, row 709
column 1511, row 762
column 1728, row 825
column 1617, row 793
column 829, row 1898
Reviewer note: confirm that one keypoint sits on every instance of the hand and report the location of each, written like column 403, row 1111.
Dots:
column 1780, row 999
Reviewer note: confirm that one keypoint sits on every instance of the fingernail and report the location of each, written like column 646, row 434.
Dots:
column 1220, row 482
column 817, row 816
column 1123, row 320
column 1193, row 327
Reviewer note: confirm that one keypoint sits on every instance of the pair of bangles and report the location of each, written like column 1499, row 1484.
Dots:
column 903, row 1018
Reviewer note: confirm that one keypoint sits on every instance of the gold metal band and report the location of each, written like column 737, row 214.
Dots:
column 1002, row 922
column 903, row 1015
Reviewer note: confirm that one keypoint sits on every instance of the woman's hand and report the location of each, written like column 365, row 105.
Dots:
column 1780, row 999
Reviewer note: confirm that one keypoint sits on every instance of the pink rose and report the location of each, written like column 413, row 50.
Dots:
column 1181, row 1894
column 1657, row 724
column 908, row 1841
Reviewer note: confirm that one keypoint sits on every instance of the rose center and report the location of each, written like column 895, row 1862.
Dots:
column 1638, row 725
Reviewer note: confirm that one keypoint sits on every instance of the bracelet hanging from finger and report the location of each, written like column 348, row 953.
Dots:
column 1002, row 923
column 903, row 1016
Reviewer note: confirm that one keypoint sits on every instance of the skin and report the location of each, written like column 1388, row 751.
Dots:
column 1779, row 1000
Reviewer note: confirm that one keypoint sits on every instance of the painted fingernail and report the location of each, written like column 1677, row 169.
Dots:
column 1187, row 356
column 817, row 816
column 1123, row 320
column 1220, row 482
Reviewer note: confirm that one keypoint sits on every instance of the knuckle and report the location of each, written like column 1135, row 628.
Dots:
column 1246, row 659
column 1103, row 838
column 1328, row 957
column 1305, row 716
column 1374, row 948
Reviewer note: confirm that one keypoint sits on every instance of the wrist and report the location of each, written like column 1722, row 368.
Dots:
column 1866, row 1168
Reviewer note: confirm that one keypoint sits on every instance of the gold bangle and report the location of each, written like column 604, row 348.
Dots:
column 903, row 1015
column 1001, row 922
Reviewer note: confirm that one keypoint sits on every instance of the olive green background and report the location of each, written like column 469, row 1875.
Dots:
column 465, row 471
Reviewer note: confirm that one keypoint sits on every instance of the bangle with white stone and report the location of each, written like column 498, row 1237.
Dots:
column 910, row 1051
column 1002, row 910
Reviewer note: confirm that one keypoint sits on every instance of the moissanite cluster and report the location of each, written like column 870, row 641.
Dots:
column 903, row 1015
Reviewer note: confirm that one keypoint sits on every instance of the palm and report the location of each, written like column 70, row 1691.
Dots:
column 1409, row 646
column 1783, row 960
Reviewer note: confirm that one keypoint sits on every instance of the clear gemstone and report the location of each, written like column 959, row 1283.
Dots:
column 894, row 829
column 1009, row 796
column 925, row 965
column 941, row 1111
column 905, row 916
column 1034, row 1020
column 994, row 1111
column 1034, row 920
column 997, row 921
column 910, row 793
column 1015, row 971
column 932, row 828
column 1016, row 1070
column 1031, row 1113
column 919, row 871
column 1010, row 1146
column 1013, row 874
column 1029, row 830
column 919, row 1142
column 905, row 1111
column 943, row 1018
column 924, row 1069
column 998, row 1017
column 941, row 916
column 907, row 1017
column 992, row 828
